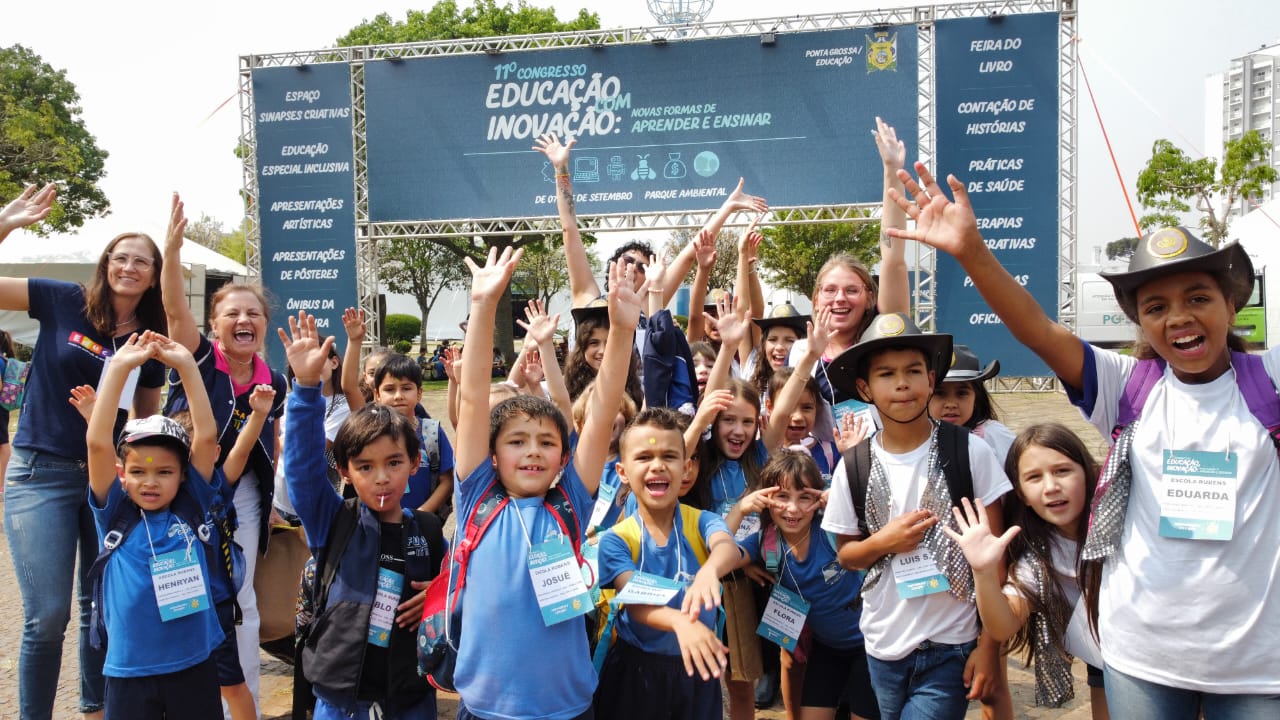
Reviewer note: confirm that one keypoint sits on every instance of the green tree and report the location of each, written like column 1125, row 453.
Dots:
column 233, row 245
column 1172, row 180
column 401, row 327
column 206, row 231
column 43, row 138
column 791, row 255
column 1122, row 249
column 485, row 18
column 423, row 269
column 542, row 272
column 725, row 272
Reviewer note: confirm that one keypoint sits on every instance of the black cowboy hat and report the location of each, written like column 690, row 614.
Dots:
column 1174, row 250
column 965, row 366
column 709, row 305
column 787, row 316
column 889, row 332
column 596, row 309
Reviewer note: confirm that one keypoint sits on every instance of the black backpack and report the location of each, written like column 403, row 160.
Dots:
column 953, row 453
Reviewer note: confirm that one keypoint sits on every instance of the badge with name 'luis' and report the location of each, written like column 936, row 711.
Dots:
column 1198, row 495
column 179, row 584
column 784, row 617
column 917, row 574
column 557, row 582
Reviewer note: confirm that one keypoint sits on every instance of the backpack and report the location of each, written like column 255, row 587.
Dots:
column 629, row 530
column 439, row 635
column 123, row 522
column 953, row 451
column 1255, row 386
column 13, row 387
column 344, row 525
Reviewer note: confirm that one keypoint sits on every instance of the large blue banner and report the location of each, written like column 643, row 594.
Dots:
column 660, row 127
column 997, row 128
column 306, row 192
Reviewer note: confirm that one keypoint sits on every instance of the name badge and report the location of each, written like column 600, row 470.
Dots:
column 646, row 589
column 750, row 526
column 855, row 407
column 917, row 574
column 591, row 553
column 604, row 500
column 383, row 616
column 179, row 584
column 557, row 582
column 1198, row 495
column 784, row 617
column 130, row 383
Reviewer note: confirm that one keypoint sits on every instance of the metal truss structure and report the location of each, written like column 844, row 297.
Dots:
column 370, row 234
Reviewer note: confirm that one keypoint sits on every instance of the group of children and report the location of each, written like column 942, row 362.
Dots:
column 895, row 555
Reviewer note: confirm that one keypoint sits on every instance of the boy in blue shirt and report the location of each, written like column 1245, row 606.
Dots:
column 650, row 671
column 523, row 653
column 156, row 602
column 397, row 383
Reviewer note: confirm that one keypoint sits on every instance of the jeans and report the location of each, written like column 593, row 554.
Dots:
column 1128, row 697
column 46, row 519
column 425, row 710
column 248, row 505
column 928, row 684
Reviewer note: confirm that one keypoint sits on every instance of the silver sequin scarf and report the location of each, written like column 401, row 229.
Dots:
column 1111, row 499
column 1053, row 666
column 936, row 499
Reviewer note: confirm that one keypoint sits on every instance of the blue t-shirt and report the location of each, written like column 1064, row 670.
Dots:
column 609, row 478
column 674, row 561
column 140, row 643
column 831, row 591
column 729, row 482
column 510, row 665
column 68, row 352
column 424, row 481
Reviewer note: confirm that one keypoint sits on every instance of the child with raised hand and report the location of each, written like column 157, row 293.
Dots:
column 918, row 617
column 361, row 653
column 962, row 399
column 798, row 416
column 667, row 660
column 539, row 338
column 1216, row 653
column 155, row 600
column 798, row 555
column 522, row 447
column 1040, row 609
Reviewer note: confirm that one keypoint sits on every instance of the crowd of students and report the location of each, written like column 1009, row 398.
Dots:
column 677, row 512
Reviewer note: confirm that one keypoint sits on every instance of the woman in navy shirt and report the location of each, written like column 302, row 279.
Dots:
column 46, row 511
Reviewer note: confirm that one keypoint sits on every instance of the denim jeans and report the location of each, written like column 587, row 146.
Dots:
column 1128, row 697
column 46, row 518
column 928, row 684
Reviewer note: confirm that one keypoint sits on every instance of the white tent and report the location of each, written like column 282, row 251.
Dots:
column 75, row 257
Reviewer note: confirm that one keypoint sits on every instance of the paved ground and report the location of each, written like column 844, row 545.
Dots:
column 1018, row 410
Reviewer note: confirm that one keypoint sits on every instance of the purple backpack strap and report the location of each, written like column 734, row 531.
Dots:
column 1258, row 391
column 1134, row 396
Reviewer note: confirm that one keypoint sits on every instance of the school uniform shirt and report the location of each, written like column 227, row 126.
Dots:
column 68, row 352
column 424, row 480
column 1196, row 614
column 140, row 643
column 675, row 561
column 729, row 482
column 609, row 478
column 998, row 436
column 510, row 665
column 830, row 590
column 892, row 626
column 1077, row 638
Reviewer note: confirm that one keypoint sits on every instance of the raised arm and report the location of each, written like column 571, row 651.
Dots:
column 582, row 283
column 895, row 285
column 733, row 328
column 260, row 402
column 100, row 436
column 204, row 428
column 747, row 285
column 540, row 328
column 452, row 360
column 625, row 303
column 1002, row 615
column 353, row 323
column 789, row 397
column 487, row 283
column 29, row 208
column 952, row 228
column 704, row 249
column 182, row 324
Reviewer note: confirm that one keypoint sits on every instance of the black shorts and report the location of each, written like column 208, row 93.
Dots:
column 1093, row 675
column 832, row 675
column 191, row 694
column 226, row 657
column 642, row 685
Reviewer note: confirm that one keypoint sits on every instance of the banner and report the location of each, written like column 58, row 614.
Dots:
column 660, row 127
column 306, row 194
column 997, row 130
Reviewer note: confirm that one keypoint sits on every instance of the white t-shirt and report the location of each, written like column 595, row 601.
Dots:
column 894, row 627
column 1195, row 614
column 1078, row 638
column 998, row 436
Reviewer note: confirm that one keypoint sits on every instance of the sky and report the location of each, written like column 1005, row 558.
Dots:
column 157, row 82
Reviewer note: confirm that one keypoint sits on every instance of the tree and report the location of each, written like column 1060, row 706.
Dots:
column 485, row 18
column 1171, row 180
column 542, row 272
column 401, row 328
column 43, row 138
column 791, row 255
column 725, row 271
column 233, row 245
column 423, row 269
column 206, row 231
column 1122, row 249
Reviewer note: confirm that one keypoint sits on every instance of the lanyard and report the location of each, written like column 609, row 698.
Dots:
column 181, row 527
column 677, row 532
column 786, row 567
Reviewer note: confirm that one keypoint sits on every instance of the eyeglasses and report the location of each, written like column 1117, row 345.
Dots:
column 830, row 291
column 139, row 262
column 628, row 260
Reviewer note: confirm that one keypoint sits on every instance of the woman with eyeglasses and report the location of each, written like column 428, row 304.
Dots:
column 46, row 510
